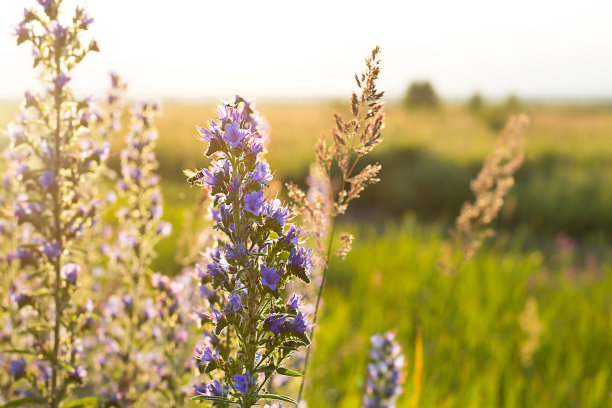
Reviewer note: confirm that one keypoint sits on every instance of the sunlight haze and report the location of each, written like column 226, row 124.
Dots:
column 278, row 49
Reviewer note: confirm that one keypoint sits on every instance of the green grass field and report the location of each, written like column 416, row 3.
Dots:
column 470, row 322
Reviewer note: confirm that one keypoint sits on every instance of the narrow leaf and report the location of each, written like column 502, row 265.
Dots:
column 24, row 401
column 82, row 403
column 287, row 372
column 212, row 398
column 17, row 351
column 266, row 369
column 278, row 397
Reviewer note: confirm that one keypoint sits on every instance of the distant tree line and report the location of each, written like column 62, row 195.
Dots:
column 421, row 94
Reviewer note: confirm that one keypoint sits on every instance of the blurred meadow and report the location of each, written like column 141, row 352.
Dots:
column 553, row 248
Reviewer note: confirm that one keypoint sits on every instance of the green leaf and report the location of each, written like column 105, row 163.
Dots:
column 284, row 256
column 266, row 369
column 302, row 338
column 214, row 399
column 82, row 403
column 24, row 401
column 221, row 324
column 17, row 351
column 214, row 146
column 210, row 367
column 278, row 397
column 287, row 372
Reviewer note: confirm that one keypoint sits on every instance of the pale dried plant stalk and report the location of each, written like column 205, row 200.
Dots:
column 346, row 243
column 491, row 187
column 314, row 208
column 350, row 140
column 338, row 156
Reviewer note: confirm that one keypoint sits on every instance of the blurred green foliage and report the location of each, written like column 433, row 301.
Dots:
column 475, row 102
column 495, row 115
column 421, row 94
column 469, row 321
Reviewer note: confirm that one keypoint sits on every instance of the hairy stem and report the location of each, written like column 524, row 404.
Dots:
column 55, row 397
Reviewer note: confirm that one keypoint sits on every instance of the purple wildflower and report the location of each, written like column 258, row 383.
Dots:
column 21, row 32
column 209, row 179
column 44, row 371
column 274, row 210
column 61, row 81
column 300, row 324
column 85, row 19
column 159, row 281
column 261, row 174
column 200, row 389
column 256, row 147
column 18, row 368
column 15, row 133
column 234, row 186
column 291, row 237
column 103, row 151
column 216, row 315
column 294, row 302
column 207, row 135
column 215, row 215
column 214, row 389
column 164, row 229
column 269, row 277
column 26, row 209
column 236, row 252
column 70, row 271
column 25, row 256
column 51, row 249
column 234, row 135
column 57, row 30
column 241, row 383
column 127, row 240
column 223, row 113
column 383, row 384
column 234, row 303
column 128, row 302
column 253, row 240
column 217, row 271
column 30, row 98
column 226, row 210
column 253, row 202
column 45, row 3
column 206, row 354
column 300, row 259
column 21, row 299
column 78, row 374
column 275, row 323
column 47, row 179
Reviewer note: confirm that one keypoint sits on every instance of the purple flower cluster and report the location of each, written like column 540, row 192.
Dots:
column 51, row 197
column 113, row 104
column 139, row 185
column 385, row 372
column 250, row 329
column 146, row 326
column 146, row 339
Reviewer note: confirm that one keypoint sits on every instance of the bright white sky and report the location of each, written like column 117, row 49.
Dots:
column 309, row 49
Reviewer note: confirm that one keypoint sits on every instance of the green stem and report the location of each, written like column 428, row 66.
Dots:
column 55, row 399
column 319, row 295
